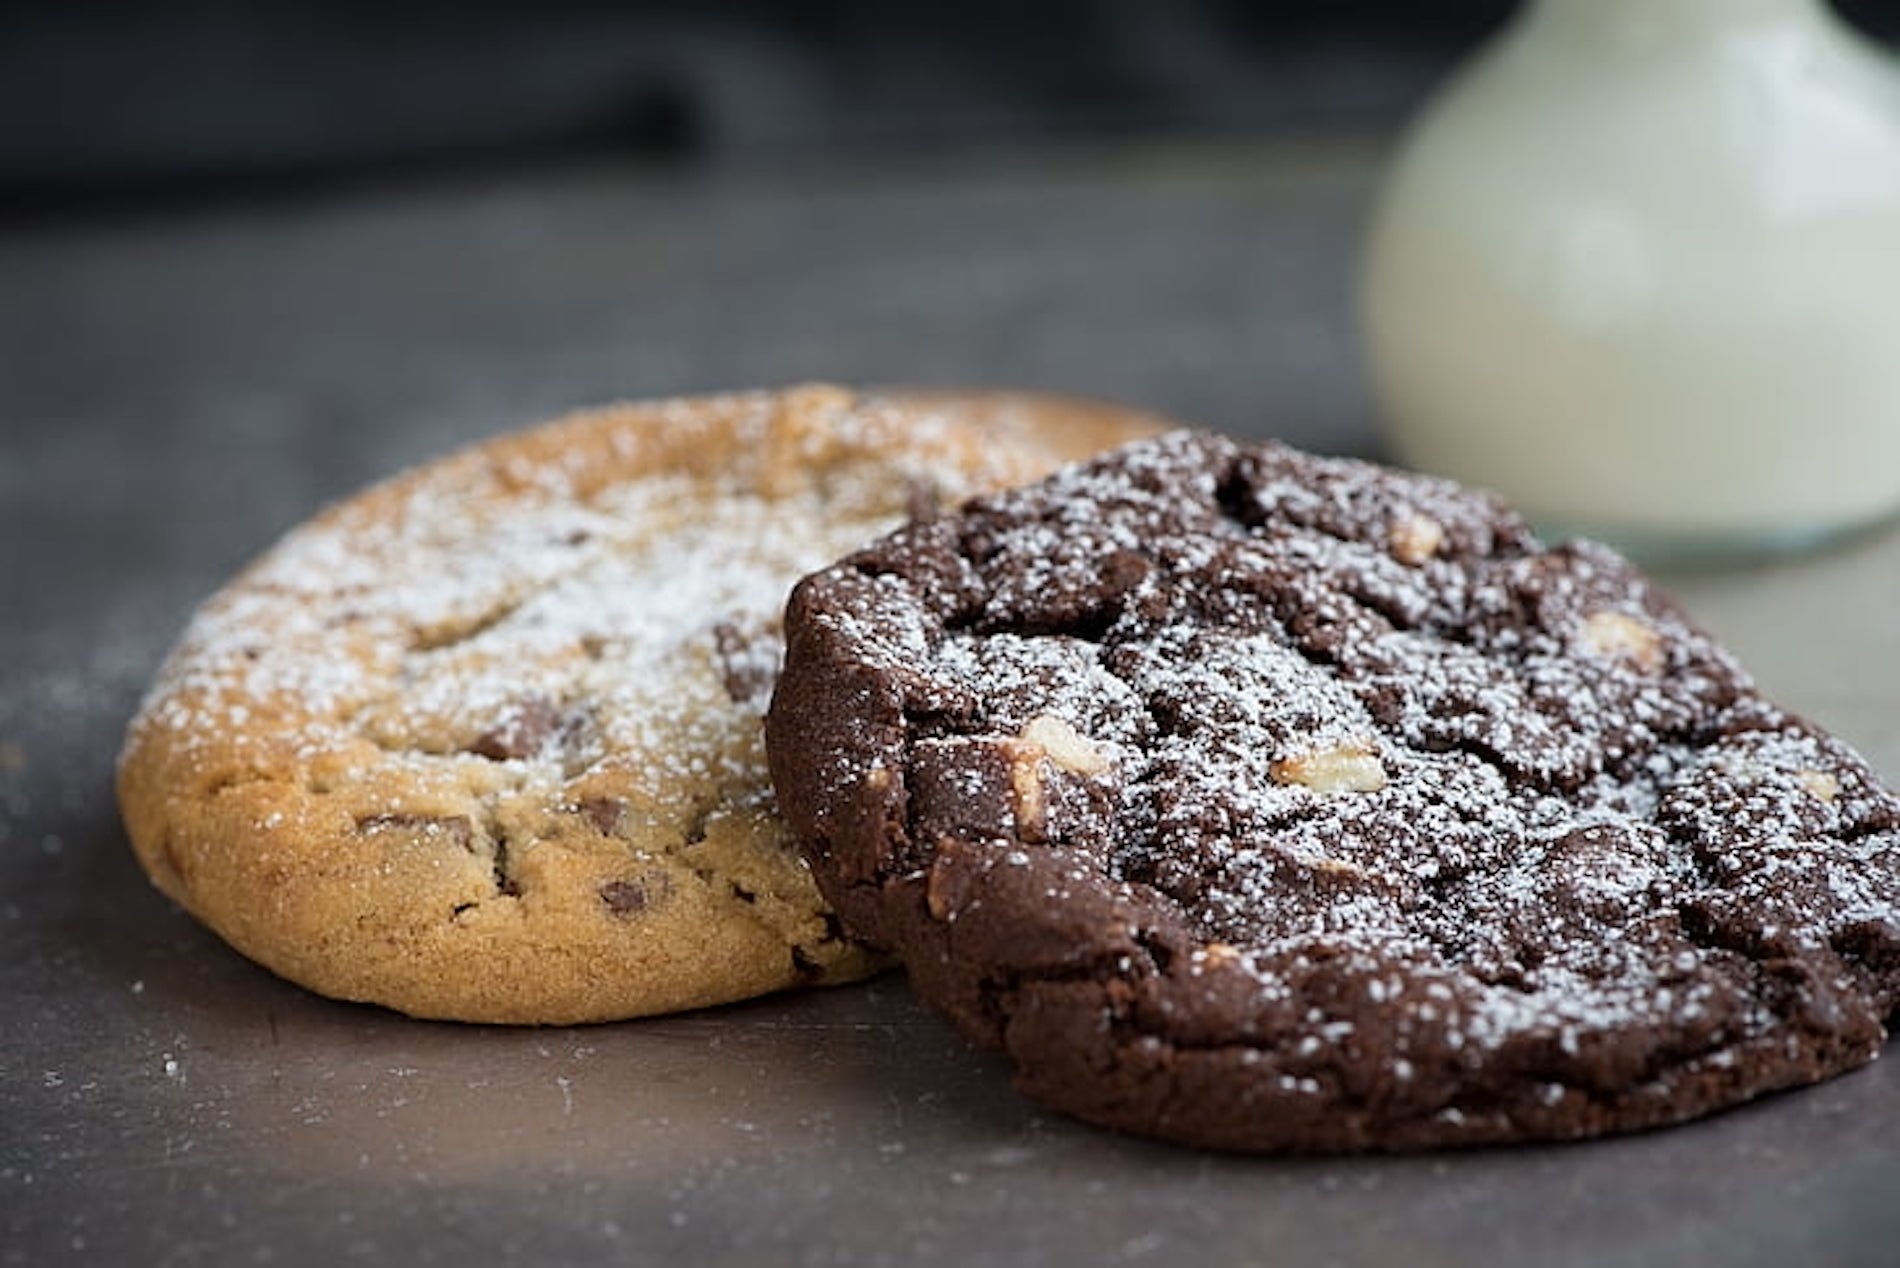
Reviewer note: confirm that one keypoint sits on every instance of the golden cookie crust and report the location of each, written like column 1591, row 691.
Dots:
column 483, row 743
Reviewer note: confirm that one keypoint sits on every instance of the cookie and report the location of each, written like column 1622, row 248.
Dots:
column 1263, row 801
column 482, row 743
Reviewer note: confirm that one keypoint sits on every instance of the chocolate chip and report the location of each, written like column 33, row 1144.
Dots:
column 603, row 812
column 748, row 660
column 923, row 501
column 524, row 732
column 630, row 897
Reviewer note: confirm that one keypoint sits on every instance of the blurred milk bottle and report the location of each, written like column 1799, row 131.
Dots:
column 1638, row 268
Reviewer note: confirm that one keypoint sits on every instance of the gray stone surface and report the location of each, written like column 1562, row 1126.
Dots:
column 174, row 392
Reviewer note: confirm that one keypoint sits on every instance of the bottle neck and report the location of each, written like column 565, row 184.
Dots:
column 1638, row 23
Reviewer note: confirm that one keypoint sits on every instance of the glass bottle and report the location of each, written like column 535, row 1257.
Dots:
column 1638, row 268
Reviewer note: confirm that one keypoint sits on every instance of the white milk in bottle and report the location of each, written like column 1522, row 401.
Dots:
column 1638, row 269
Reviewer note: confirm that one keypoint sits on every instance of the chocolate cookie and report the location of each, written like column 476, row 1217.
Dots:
column 483, row 742
column 1263, row 801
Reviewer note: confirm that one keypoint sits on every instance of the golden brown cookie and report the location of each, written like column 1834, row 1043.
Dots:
column 483, row 742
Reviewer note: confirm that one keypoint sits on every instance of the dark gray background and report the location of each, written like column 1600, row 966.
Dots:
column 146, row 100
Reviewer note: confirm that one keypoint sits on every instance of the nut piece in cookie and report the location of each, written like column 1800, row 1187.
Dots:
column 1349, row 767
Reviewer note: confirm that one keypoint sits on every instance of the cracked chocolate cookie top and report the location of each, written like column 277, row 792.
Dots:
column 1266, row 801
column 483, row 742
